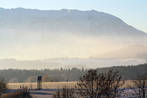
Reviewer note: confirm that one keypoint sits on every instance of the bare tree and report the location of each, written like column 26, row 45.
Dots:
column 94, row 85
column 109, row 83
column 66, row 92
column 87, row 84
column 141, row 84
column 3, row 87
column 103, row 85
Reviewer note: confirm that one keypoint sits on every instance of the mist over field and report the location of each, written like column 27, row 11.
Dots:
column 68, row 38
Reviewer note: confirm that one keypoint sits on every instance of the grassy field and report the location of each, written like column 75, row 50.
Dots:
column 45, row 85
column 52, row 85
column 48, row 87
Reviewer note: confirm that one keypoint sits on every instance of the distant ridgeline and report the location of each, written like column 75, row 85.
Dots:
column 98, row 34
column 12, row 75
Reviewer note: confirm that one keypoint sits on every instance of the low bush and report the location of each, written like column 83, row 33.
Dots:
column 3, row 87
column 24, row 93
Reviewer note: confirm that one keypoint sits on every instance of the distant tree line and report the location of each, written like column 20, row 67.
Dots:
column 13, row 75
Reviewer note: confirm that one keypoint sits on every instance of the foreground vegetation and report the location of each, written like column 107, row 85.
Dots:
column 104, row 85
column 23, row 93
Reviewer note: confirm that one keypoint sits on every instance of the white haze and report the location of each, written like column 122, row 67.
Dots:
column 83, row 38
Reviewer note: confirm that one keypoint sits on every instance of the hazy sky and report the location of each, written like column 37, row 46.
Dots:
column 133, row 12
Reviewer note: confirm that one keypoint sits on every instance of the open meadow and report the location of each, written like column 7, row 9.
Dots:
column 45, row 85
column 49, row 88
column 53, row 85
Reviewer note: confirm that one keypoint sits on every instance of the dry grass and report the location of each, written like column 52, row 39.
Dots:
column 45, row 85
column 53, row 85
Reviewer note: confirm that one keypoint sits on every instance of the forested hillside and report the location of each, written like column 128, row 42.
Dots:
column 12, row 75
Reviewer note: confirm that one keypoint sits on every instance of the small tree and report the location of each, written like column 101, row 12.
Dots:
column 66, row 92
column 110, row 83
column 141, row 84
column 23, row 93
column 103, row 85
column 3, row 87
column 87, row 84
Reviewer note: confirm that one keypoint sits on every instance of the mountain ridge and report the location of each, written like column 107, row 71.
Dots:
column 43, row 34
column 65, row 16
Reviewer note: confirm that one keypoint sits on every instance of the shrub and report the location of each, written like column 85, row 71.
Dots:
column 66, row 93
column 3, row 87
column 93, row 85
column 23, row 93
column 101, row 85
